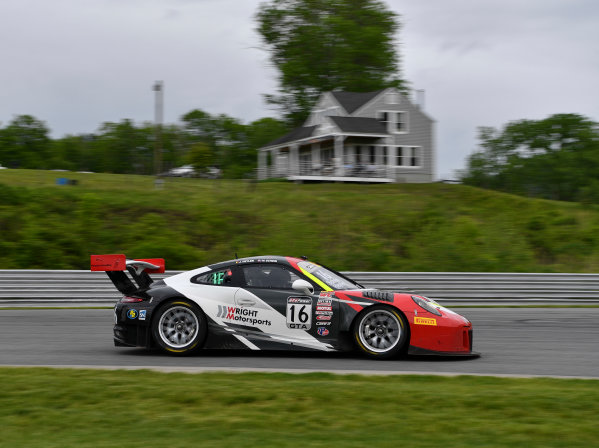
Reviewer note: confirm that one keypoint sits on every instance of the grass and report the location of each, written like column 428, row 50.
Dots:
column 86, row 408
column 192, row 222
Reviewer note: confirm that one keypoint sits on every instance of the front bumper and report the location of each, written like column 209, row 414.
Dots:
column 447, row 335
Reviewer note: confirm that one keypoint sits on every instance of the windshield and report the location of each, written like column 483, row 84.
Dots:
column 329, row 278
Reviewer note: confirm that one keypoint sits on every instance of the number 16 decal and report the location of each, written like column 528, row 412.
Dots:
column 299, row 313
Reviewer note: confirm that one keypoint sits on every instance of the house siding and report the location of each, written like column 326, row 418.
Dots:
column 419, row 134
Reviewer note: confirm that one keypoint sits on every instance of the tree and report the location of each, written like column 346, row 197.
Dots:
column 322, row 45
column 231, row 144
column 200, row 156
column 25, row 143
column 554, row 158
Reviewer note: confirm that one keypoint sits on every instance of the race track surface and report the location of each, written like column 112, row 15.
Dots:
column 512, row 341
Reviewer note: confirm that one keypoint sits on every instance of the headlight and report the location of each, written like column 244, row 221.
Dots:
column 424, row 303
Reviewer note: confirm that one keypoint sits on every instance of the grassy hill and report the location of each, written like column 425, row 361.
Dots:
column 191, row 222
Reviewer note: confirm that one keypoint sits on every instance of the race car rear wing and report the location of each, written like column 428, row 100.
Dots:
column 116, row 266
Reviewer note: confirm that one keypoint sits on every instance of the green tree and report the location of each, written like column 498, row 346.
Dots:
column 200, row 156
column 321, row 45
column 25, row 143
column 125, row 148
column 554, row 158
column 232, row 144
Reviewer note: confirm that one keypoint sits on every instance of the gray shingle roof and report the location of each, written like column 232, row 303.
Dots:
column 296, row 134
column 352, row 101
column 360, row 125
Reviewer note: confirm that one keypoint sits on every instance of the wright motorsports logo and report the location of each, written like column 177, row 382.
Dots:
column 241, row 315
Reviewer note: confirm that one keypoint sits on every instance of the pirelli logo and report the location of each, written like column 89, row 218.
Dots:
column 425, row 321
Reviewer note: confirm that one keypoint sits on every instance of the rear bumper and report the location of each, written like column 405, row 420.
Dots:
column 131, row 332
column 131, row 336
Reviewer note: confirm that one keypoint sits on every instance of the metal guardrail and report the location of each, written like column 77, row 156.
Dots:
column 84, row 288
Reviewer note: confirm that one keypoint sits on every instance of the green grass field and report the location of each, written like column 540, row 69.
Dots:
column 192, row 222
column 86, row 408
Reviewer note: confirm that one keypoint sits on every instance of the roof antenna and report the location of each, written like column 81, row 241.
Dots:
column 303, row 257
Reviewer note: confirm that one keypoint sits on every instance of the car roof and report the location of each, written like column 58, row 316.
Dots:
column 257, row 259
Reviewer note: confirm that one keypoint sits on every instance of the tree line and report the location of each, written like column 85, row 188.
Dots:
column 202, row 140
column 553, row 158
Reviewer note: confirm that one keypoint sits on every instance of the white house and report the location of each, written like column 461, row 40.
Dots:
column 355, row 137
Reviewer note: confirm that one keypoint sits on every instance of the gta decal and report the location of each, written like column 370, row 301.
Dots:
column 299, row 313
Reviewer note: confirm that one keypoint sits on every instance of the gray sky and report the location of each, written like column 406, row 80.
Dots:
column 78, row 63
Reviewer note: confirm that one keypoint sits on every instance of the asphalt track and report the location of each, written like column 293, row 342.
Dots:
column 561, row 342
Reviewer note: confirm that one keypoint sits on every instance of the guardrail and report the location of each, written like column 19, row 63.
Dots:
column 84, row 288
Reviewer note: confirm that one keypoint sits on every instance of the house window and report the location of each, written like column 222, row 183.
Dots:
column 396, row 122
column 400, row 160
column 371, row 155
column 415, row 156
column 409, row 156
column 383, row 117
column 401, row 124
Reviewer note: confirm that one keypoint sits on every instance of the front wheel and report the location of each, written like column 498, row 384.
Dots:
column 381, row 332
column 179, row 327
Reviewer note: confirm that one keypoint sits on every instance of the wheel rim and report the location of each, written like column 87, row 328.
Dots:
column 178, row 326
column 380, row 331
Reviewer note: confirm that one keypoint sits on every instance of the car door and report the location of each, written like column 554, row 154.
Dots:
column 291, row 314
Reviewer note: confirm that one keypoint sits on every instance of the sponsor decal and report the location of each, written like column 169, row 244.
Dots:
column 323, row 323
column 425, row 321
column 320, row 317
column 259, row 260
column 299, row 313
column 142, row 314
column 132, row 314
column 324, row 308
column 322, row 331
column 304, row 300
column 241, row 315
column 328, row 313
column 327, row 294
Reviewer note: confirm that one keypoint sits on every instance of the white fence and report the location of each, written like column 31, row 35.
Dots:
column 85, row 288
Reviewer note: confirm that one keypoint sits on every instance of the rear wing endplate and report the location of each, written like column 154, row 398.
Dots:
column 116, row 266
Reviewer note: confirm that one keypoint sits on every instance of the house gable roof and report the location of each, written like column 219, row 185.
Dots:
column 360, row 125
column 352, row 101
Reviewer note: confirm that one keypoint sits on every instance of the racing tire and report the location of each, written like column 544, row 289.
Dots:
column 381, row 332
column 179, row 327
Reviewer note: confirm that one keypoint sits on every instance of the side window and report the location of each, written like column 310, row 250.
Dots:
column 215, row 278
column 268, row 276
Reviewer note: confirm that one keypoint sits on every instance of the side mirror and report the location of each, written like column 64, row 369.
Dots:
column 303, row 286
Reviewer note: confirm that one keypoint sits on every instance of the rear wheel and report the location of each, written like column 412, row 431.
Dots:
column 381, row 332
column 179, row 327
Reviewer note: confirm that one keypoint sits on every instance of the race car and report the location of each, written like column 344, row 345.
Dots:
column 274, row 303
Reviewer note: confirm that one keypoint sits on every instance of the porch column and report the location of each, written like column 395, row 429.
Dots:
column 262, row 168
column 391, row 158
column 293, row 169
column 276, row 168
column 316, row 164
column 339, row 168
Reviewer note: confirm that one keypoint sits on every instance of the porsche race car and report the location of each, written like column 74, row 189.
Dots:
column 274, row 303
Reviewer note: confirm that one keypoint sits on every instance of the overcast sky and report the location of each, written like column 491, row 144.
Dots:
column 78, row 63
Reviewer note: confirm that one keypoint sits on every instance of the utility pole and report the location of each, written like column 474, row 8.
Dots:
column 158, row 110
